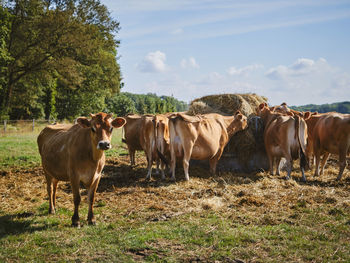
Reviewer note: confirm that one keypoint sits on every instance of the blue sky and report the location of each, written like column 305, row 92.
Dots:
column 289, row 51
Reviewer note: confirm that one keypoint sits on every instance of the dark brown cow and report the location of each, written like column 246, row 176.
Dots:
column 201, row 137
column 75, row 153
column 332, row 135
column 132, row 135
column 284, row 136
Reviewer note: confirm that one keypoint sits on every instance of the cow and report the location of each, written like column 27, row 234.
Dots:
column 162, row 139
column 148, row 142
column 284, row 136
column 132, row 135
column 331, row 134
column 201, row 137
column 75, row 153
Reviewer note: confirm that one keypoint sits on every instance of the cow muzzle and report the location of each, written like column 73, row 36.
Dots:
column 104, row 145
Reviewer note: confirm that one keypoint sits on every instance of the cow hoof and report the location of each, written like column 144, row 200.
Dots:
column 76, row 224
column 92, row 223
column 52, row 211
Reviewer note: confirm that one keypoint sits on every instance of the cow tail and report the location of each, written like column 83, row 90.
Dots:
column 161, row 156
column 123, row 135
column 298, row 129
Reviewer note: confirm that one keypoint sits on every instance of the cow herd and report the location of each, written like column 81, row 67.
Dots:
column 75, row 153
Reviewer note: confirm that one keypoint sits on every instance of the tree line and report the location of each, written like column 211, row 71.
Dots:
column 341, row 107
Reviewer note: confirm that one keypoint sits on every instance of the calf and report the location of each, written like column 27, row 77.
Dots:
column 201, row 137
column 75, row 153
column 284, row 136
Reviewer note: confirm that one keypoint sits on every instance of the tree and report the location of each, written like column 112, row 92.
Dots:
column 120, row 105
column 72, row 41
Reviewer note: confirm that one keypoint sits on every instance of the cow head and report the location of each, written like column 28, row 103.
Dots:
column 101, row 126
column 239, row 122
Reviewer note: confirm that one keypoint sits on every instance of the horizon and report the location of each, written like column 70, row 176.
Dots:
column 294, row 52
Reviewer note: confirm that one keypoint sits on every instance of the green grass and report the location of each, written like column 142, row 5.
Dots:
column 41, row 238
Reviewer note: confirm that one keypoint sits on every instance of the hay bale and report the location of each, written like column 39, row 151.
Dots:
column 226, row 104
column 245, row 151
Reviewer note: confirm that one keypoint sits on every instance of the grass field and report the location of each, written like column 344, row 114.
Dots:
column 226, row 218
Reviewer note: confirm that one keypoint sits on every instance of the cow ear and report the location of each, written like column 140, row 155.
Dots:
column 239, row 117
column 118, row 122
column 307, row 115
column 261, row 106
column 238, row 112
column 272, row 108
column 83, row 122
column 283, row 104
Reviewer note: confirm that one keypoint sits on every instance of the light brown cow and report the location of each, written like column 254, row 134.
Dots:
column 201, row 137
column 284, row 136
column 132, row 135
column 332, row 135
column 162, row 139
column 148, row 142
column 75, row 153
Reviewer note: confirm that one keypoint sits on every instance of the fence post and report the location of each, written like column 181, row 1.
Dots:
column 33, row 125
column 5, row 122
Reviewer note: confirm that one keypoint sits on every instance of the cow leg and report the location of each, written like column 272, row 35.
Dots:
column 173, row 162
column 323, row 162
column 149, row 166
column 271, row 159
column 132, row 156
column 278, row 160
column 49, row 189
column 317, row 165
column 212, row 163
column 91, row 196
column 289, row 162
column 54, row 189
column 342, row 161
column 163, row 167
column 157, row 165
column 186, row 159
column 76, row 196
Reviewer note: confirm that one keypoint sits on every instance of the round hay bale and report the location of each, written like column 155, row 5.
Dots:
column 226, row 104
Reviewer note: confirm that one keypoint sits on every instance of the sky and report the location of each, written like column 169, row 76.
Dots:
column 293, row 51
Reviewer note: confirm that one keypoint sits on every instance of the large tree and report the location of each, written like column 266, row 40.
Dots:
column 59, row 51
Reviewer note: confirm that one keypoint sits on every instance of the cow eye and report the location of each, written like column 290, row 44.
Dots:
column 111, row 129
column 93, row 129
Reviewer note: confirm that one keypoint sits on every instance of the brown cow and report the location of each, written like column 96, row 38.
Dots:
column 75, row 153
column 132, row 135
column 201, row 137
column 284, row 136
column 332, row 135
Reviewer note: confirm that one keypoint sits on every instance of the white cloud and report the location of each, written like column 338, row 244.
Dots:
column 153, row 62
column 233, row 71
column 189, row 63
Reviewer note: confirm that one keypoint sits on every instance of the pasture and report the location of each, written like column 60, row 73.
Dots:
column 226, row 218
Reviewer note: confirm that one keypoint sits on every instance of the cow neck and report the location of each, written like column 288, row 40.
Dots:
column 230, row 128
column 269, row 118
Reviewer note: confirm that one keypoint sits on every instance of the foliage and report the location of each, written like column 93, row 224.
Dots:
column 56, row 52
column 342, row 107
column 126, row 102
